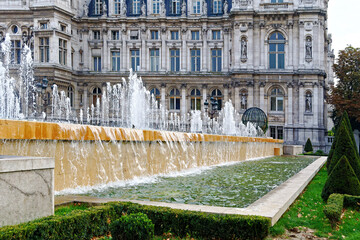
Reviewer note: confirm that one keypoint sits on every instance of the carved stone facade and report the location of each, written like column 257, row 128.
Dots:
column 275, row 56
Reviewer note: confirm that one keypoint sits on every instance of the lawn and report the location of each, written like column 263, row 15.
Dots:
column 307, row 211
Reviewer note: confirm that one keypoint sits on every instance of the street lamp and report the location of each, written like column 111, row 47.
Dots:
column 41, row 88
column 213, row 108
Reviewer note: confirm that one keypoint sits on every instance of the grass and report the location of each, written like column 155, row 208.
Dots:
column 307, row 211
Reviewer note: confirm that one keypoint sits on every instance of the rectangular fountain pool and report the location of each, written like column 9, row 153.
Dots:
column 233, row 185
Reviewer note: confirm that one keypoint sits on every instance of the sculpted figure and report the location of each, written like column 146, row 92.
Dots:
column 308, row 47
column 162, row 5
column 243, row 48
column 143, row 9
column 104, row 8
column 86, row 10
column 183, row 8
column 204, row 6
column 226, row 6
column 123, row 8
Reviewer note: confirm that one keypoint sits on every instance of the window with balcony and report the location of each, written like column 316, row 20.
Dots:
column 115, row 35
column 154, row 34
column 15, row 51
column 135, row 59
column 115, row 60
column 277, row 51
column 174, row 35
column 195, row 35
column 44, row 50
column 62, row 51
column 97, row 64
column 195, row 60
column 277, row 100
column 216, row 60
column 216, row 35
column 96, row 35
column 175, row 60
column 154, row 60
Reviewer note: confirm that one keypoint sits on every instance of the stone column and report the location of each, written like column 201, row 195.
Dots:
column 85, row 99
column 236, row 46
column 262, row 97
column 143, row 61
column 290, row 43
column 225, row 54
column 316, row 104
column 105, row 52
column 237, row 97
column 226, row 93
column 322, row 105
column 183, row 55
column 204, row 97
column 250, row 100
column 262, row 45
column 183, row 99
column 124, row 51
column 163, row 49
column 301, row 104
column 163, row 95
column 289, row 114
column 250, row 47
column 205, row 51
column 301, row 48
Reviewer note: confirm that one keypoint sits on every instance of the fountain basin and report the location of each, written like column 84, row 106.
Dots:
column 88, row 155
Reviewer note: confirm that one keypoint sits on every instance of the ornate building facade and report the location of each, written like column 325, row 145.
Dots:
column 271, row 54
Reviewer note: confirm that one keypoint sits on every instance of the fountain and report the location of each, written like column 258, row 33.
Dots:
column 125, row 136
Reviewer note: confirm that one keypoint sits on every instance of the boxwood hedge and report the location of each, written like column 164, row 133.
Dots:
column 86, row 224
column 334, row 207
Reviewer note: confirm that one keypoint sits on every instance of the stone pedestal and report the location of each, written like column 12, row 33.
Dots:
column 293, row 149
column 26, row 189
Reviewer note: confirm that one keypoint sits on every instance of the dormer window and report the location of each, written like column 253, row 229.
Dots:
column 134, row 35
column 97, row 35
column 98, row 7
column 63, row 27
column 43, row 25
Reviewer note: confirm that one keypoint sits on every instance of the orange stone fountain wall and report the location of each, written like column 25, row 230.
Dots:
column 91, row 155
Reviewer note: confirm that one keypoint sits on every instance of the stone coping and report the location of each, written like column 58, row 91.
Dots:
column 31, row 130
column 273, row 205
column 16, row 164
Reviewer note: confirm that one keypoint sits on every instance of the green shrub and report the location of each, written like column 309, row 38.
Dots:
column 136, row 226
column 334, row 207
column 344, row 146
column 308, row 146
column 351, row 201
column 342, row 180
column 86, row 224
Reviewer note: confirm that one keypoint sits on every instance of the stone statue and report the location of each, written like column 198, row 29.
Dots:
column 162, row 6
column 143, row 9
column 123, row 8
column 308, row 106
column 226, row 6
column 204, row 7
column 243, row 48
column 183, row 8
column 86, row 10
column 104, row 8
column 243, row 102
column 308, row 47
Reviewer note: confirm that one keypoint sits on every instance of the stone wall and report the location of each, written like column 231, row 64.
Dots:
column 26, row 189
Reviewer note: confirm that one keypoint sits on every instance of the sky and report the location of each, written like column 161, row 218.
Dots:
column 344, row 23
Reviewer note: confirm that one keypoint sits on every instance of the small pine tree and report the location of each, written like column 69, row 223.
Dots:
column 348, row 125
column 344, row 146
column 308, row 146
column 342, row 180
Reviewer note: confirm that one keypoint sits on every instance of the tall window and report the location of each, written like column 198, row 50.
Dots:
column 175, row 99
column 308, row 102
column 44, row 49
column 96, row 94
column 216, row 60
column 154, row 60
column 154, row 34
column 15, row 51
column 174, row 35
column 217, row 6
column 136, row 7
column 277, row 100
column 195, row 99
column 174, row 60
column 277, row 51
column 97, row 64
column 277, row 132
column 98, row 7
column 134, row 35
column 216, row 34
column 115, row 61
column 157, row 95
column 196, row 6
column 195, row 35
column 175, row 6
column 217, row 95
column 97, row 35
column 195, row 60
column 70, row 95
column 62, row 51
column 117, row 5
column 135, row 59
column 156, row 6
column 115, row 35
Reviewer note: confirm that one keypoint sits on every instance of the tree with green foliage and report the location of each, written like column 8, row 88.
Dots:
column 342, row 180
column 345, row 95
column 344, row 146
column 308, row 146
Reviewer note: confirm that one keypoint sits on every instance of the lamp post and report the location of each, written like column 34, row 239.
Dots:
column 41, row 88
column 213, row 108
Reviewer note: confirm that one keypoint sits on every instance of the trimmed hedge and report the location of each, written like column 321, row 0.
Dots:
column 341, row 180
column 334, row 207
column 308, row 146
column 351, row 201
column 86, row 224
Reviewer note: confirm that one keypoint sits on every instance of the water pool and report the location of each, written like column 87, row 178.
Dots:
column 235, row 185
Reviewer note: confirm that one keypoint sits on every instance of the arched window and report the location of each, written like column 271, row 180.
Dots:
column 157, row 95
column 96, row 94
column 308, row 102
column 217, row 95
column 174, row 99
column 276, row 51
column 195, row 99
column 277, row 100
column 243, row 99
column 70, row 95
